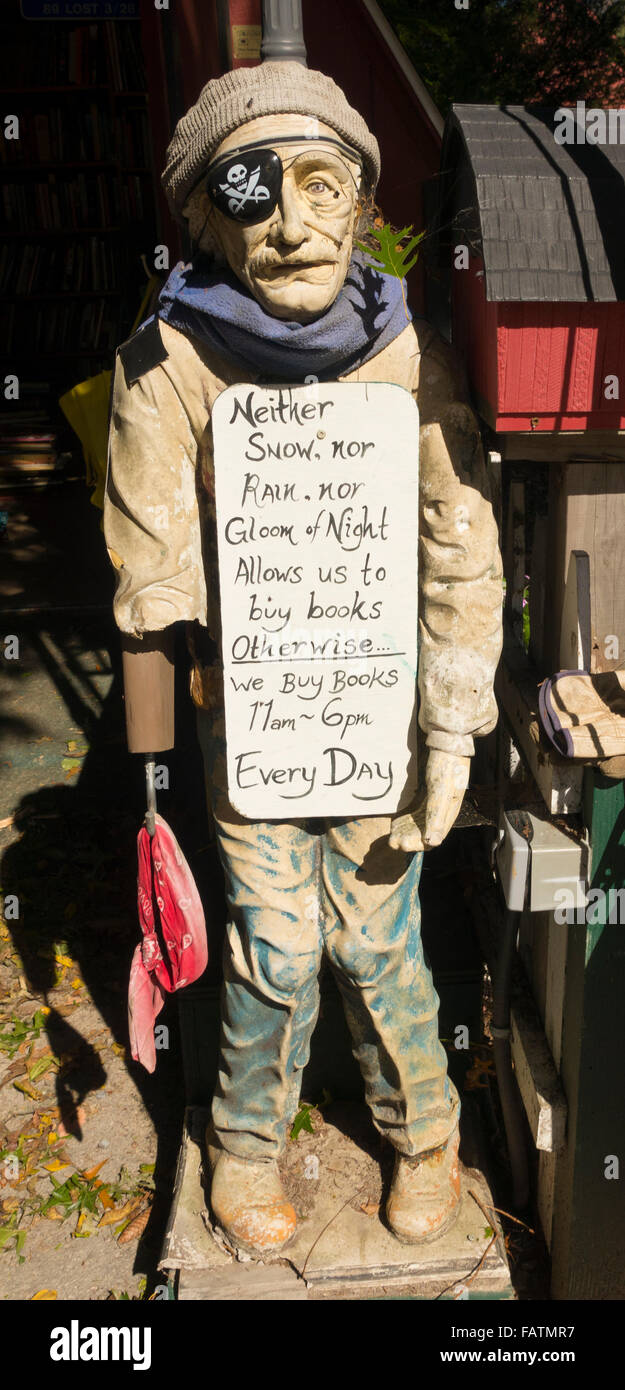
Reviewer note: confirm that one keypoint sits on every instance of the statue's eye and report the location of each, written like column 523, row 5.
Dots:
column 318, row 187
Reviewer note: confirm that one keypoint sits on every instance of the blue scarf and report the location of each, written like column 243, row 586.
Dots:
column 218, row 309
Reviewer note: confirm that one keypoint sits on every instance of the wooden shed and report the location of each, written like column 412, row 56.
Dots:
column 528, row 273
column 539, row 298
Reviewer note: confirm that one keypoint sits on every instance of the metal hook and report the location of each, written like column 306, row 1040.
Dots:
column 150, row 815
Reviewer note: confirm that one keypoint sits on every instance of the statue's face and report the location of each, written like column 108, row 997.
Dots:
column 295, row 261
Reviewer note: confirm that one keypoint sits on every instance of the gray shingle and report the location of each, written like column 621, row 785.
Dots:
column 548, row 219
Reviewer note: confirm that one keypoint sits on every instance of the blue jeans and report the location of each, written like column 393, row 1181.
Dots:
column 295, row 890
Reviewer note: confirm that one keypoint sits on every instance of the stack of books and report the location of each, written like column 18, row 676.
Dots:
column 30, row 450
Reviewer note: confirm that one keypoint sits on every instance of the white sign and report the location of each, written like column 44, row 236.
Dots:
column 317, row 521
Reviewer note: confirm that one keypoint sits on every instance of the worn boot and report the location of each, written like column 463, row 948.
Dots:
column 249, row 1203
column 424, row 1200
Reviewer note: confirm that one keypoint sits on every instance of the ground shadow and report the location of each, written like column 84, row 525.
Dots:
column 73, row 868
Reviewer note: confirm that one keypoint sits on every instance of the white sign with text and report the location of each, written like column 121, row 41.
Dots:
column 317, row 522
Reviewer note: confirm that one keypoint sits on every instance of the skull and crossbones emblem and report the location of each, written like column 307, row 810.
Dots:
column 243, row 187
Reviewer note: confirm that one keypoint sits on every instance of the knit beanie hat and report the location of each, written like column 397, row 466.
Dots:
column 268, row 89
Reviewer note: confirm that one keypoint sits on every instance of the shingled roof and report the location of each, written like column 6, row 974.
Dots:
column 547, row 219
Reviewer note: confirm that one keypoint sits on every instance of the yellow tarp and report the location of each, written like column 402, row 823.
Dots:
column 87, row 409
column 86, row 406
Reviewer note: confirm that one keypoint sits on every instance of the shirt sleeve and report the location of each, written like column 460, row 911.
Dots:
column 151, row 514
column 460, row 585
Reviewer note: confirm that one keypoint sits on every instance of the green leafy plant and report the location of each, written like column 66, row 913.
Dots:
column 122, row 1295
column 75, row 1195
column 526, row 615
column 22, row 1030
column 390, row 257
column 302, row 1121
column 9, row 1231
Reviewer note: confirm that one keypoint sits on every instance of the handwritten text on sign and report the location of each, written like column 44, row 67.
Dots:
column 317, row 517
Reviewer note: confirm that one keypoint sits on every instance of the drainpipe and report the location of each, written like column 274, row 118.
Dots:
column 283, row 32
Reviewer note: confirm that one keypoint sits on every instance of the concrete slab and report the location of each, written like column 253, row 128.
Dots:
column 341, row 1249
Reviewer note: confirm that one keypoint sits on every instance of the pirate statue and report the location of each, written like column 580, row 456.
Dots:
column 274, row 173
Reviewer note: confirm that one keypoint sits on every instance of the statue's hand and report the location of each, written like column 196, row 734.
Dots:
column 446, row 779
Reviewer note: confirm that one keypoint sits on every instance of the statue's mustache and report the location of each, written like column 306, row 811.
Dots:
column 266, row 264
column 322, row 249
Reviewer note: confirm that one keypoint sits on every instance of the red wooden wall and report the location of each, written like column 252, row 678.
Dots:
column 540, row 366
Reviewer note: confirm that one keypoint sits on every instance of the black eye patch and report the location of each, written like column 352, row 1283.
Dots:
column 246, row 185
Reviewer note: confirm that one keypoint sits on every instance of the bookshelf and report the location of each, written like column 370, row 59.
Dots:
column 77, row 208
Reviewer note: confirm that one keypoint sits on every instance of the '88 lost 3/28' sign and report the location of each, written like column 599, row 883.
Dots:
column 317, row 522
column 79, row 9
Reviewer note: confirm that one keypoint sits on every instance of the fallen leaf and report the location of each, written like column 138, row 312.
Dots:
column 44, row 1295
column 89, row 1173
column 26, row 1089
column 41, row 1066
column 56, row 1163
column 53, row 1214
column 4, row 824
column 370, row 1208
column 117, row 1213
column 135, row 1228
column 15, row 1069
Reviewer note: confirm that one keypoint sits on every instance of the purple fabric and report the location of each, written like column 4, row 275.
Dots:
column 216, row 308
column 549, row 718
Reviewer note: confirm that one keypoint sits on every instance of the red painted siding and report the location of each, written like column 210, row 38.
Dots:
column 540, row 366
column 343, row 40
column 475, row 331
column 245, row 12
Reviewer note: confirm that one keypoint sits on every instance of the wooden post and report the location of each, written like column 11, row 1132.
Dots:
column 589, row 1191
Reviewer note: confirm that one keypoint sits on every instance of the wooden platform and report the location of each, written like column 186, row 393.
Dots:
column 342, row 1249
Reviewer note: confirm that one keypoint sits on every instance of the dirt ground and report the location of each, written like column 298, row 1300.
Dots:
column 88, row 1140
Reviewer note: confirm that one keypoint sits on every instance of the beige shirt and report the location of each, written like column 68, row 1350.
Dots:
column 160, row 533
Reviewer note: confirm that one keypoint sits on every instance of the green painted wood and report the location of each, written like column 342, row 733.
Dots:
column 589, row 1209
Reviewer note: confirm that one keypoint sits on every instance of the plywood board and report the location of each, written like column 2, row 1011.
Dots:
column 587, row 512
column 537, row 1078
column 317, row 519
